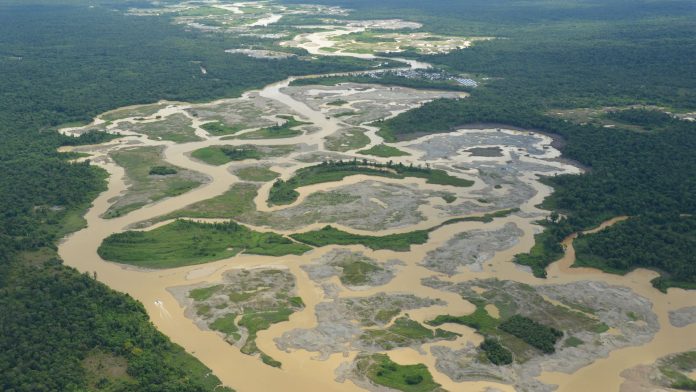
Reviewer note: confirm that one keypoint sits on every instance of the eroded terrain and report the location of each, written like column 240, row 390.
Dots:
column 415, row 272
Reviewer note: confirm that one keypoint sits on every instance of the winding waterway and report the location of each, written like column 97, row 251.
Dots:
column 301, row 371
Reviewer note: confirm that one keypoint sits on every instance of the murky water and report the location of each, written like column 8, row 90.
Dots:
column 301, row 371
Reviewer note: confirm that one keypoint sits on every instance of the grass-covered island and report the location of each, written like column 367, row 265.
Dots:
column 220, row 155
column 381, row 370
column 184, row 242
column 384, row 151
column 329, row 235
column 284, row 192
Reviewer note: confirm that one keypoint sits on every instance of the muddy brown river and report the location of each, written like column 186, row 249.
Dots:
column 302, row 370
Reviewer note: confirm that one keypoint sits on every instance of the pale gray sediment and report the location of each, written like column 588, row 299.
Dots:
column 471, row 249
column 342, row 321
column 251, row 110
column 505, row 185
column 683, row 316
column 367, row 205
column 334, row 262
column 367, row 102
column 321, row 156
column 445, row 146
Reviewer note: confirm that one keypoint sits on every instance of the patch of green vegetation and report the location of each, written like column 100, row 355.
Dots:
column 533, row 333
column 73, row 221
column 73, row 155
column 349, row 139
column 384, row 151
column 203, row 309
column 645, row 118
column 204, row 293
column 284, row 130
column 256, row 174
column 600, row 328
column 225, row 324
column 385, row 315
column 220, row 155
column 485, row 218
column 212, row 155
column 408, row 378
column 140, row 163
column 186, row 242
column 268, row 360
column 176, row 128
column 283, row 192
column 218, row 128
column 404, row 332
column 162, row 171
column 479, row 320
column 546, row 249
column 258, row 321
column 357, row 272
column 241, row 153
column 91, row 137
column 238, row 200
column 496, row 352
column 330, row 236
column 338, row 102
column 345, row 114
column 236, row 296
column 572, row 341
column 449, row 198
column 296, row 302
column 485, row 151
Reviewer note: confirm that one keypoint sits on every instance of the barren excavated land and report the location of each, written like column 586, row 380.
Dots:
column 261, row 240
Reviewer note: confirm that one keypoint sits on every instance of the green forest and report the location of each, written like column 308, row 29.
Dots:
column 660, row 242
